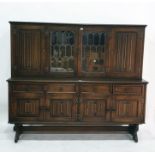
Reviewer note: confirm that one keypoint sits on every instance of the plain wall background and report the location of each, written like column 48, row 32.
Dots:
column 82, row 11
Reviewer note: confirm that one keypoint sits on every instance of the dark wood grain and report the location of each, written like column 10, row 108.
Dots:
column 102, row 91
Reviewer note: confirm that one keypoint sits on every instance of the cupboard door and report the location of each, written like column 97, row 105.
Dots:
column 94, row 110
column 127, row 53
column 61, row 50
column 128, row 109
column 26, row 51
column 94, row 48
column 25, row 107
column 61, row 108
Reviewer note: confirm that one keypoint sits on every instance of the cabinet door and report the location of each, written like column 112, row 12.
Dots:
column 61, row 107
column 94, row 110
column 94, row 48
column 128, row 109
column 25, row 107
column 26, row 50
column 61, row 51
column 127, row 53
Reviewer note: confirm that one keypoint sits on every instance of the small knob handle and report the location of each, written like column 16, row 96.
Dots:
column 81, row 28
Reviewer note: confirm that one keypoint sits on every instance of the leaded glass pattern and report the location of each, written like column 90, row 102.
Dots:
column 93, row 51
column 62, row 51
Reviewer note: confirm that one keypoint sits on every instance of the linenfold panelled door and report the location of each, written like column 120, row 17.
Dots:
column 126, row 52
column 26, row 50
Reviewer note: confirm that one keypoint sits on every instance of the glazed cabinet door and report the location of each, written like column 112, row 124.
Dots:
column 26, row 47
column 25, row 107
column 126, row 54
column 93, row 51
column 61, row 50
column 128, row 109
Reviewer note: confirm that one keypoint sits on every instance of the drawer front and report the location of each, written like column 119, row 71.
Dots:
column 61, row 95
column 27, row 87
column 87, row 95
column 61, row 88
column 96, row 88
column 128, row 89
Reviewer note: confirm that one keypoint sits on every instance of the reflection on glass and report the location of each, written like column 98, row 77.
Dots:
column 61, row 50
column 93, row 52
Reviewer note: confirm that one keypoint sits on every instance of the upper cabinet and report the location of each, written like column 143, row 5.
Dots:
column 72, row 50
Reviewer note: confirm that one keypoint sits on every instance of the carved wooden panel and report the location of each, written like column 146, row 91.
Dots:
column 28, row 107
column 125, row 50
column 94, row 110
column 26, row 52
column 126, row 53
column 60, row 109
column 128, row 109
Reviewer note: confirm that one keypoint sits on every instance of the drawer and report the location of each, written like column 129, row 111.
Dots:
column 86, row 95
column 61, row 88
column 128, row 89
column 27, row 87
column 96, row 88
column 61, row 95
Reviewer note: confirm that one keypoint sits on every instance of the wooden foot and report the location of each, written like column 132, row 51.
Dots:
column 135, row 137
column 18, row 130
column 14, row 128
column 133, row 129
column 17, row 136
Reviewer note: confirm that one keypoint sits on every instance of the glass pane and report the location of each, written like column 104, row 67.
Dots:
column 61, row 51
column 93, row 51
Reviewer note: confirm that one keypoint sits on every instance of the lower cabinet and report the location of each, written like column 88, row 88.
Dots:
column 87, row 103
column 76, row 106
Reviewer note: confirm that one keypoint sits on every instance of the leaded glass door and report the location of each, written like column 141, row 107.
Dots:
column 62, row 51
column 94, row 51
